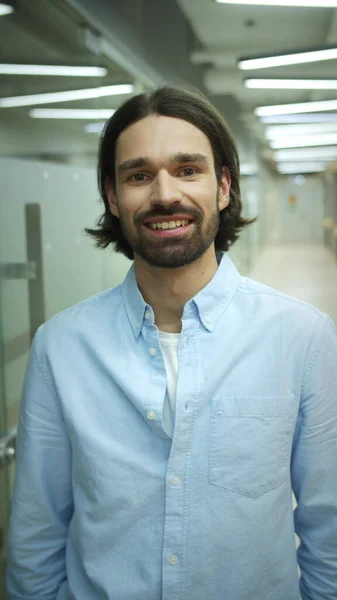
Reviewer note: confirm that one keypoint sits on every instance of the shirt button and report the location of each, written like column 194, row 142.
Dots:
column 147, row 314
column 138, row 325
column 208, row 319
column 153, row 351
column 173, row 560
column 151, row 415
column 176, row 479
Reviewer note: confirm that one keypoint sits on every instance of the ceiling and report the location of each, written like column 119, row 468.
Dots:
column 230, row 32
column 52, row 32
column 49, row 32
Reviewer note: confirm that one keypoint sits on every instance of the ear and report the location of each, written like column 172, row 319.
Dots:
column 224, row 189
column 111, row 196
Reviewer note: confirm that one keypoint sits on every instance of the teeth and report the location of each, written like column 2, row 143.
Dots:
column 168, row 224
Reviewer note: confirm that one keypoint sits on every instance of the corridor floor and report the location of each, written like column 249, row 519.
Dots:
column 305, row 271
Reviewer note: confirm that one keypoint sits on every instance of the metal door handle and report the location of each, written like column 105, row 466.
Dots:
column 8, row 448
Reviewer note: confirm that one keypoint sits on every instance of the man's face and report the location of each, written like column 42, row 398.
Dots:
column 165, row 172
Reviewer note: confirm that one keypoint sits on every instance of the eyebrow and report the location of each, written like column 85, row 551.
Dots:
column 180, row 157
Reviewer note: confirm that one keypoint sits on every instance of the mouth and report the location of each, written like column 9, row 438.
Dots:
column 169, row 228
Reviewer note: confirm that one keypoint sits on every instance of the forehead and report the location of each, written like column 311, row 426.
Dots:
column 159, row 137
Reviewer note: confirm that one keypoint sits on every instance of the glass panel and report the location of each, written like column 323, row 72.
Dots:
column 4, row 486
column 15, row 339
column 14, row 353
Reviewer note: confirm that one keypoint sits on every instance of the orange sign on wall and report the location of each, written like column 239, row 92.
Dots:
column 292, row 199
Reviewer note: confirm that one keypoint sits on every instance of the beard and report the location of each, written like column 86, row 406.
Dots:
column 175, row 252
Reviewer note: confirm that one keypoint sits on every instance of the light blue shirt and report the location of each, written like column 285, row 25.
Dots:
column 107, row 507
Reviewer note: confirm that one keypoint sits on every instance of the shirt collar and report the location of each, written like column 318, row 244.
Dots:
column 208, row 304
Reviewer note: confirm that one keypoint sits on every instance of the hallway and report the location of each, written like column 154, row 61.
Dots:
column 305, row 271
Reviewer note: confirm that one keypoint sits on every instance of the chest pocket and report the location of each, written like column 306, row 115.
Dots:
column 250, row 443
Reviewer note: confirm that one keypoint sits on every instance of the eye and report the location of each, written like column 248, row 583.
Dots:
column 188, row 171
column 138, row 178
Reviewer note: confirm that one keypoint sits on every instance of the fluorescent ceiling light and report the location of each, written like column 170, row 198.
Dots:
column 300, row 118
column 291, row 84
column 6, row 8
column 288, row 59
column 248, row 169
column 70, row 113
column 299, row 180
column 288, row 168
column 300, row 107
column 94, row 127
column 305, row 141
column 281, row 131
column 323, row 152
column 99, row 92
column 292, row 3
column 9, row 69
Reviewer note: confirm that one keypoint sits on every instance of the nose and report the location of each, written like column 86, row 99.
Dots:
column 165, row 189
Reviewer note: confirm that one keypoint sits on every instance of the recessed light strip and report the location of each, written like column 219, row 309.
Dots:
column 301, row 107
column 288, row 59
column 282, row 131
column 288, row 168
column 5, row 9
column 291, row 84
column 305, row 141
column 321, row 152
column 56, row 70
column 70, row 113
column 301, row 118
column 94, row 127
column 292, row 3
column 109, row 90
column 248, row 169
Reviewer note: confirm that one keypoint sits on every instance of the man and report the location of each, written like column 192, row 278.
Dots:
column 164, row 423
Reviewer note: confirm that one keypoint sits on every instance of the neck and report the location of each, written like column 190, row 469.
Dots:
column 168, row 290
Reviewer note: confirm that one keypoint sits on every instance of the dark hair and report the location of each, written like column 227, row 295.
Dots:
column 191, row 106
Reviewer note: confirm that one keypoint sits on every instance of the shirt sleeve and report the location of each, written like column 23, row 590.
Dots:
column 42, row 503
column 314, row 468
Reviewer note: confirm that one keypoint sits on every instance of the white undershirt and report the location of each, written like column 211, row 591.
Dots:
column 169, row 344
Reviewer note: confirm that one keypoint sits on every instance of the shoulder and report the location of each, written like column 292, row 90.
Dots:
column 267, row 300
column 85, row 319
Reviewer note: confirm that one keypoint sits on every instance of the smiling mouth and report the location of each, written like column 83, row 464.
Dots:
column 168, row 225
column 169, row 229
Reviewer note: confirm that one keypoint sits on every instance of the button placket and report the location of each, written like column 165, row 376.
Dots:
column 157, row 379
column 175, row 531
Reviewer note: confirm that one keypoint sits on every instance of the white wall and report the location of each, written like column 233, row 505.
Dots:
column 299, row 210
